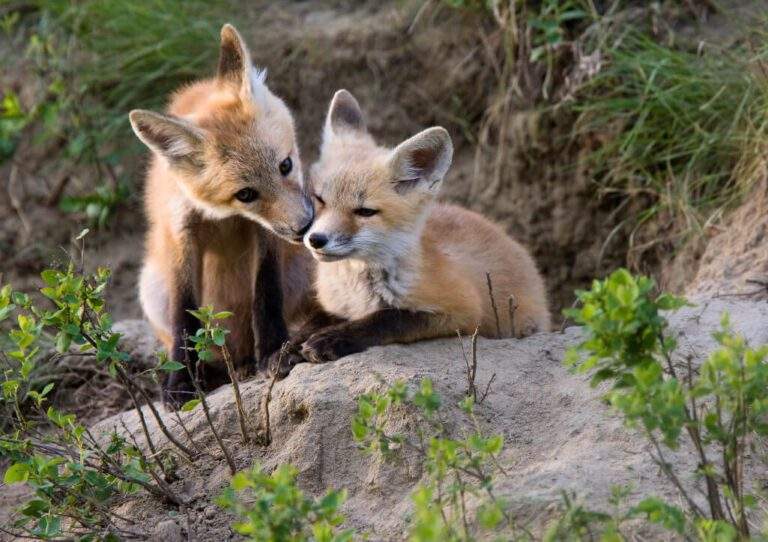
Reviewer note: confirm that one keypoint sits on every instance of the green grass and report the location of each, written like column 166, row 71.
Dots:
column 94, row 61
column 684, row 128
column 122, row 55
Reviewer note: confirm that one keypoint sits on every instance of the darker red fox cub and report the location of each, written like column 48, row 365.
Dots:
column 394, row 266
column 225, row 171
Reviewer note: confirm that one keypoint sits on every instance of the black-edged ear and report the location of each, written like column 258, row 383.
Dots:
column 179, row 141
column 344, row 115
column 234, row 58
column 422, row 161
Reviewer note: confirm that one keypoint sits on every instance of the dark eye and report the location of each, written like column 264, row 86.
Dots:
column 364, row 211
column 286, row 166
column 320, row 200
column 246, row 195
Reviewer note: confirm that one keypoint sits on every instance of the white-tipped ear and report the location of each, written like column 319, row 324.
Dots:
column 422, row 161
column 176, row 139
column 344, row 115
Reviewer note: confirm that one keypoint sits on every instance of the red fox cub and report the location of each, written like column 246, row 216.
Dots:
column 394, row 266
column 225, row 170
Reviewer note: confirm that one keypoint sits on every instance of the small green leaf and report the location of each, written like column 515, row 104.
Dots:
column 170, row 366
column 190, row 405
column 18, row 473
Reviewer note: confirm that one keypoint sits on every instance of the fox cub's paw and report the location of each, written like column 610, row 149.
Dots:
column 178, row 389
column 282, row 361
column 328, row 346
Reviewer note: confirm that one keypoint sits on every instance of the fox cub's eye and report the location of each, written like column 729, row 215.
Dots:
column 246, row 195
column 286, row 166
column 364, row 211
column 320, row 200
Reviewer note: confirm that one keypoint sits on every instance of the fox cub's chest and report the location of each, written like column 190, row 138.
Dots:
column 353, row 290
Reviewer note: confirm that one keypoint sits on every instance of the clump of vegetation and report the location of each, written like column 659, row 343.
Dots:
column 95, row 60
column 75, row 476
column 688, row 128
column 717, row 405
column 458, row 468
column 271, row 508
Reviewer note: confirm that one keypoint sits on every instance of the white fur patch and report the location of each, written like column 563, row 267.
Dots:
column 259, row 91
column 213, row 212
column 154, row 297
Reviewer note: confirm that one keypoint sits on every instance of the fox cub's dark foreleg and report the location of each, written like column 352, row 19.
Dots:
column 382, row 327
column 269, row 328
column 178, row 387
column 281, row 362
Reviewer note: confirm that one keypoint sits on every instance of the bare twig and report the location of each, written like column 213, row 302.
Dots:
column 144, row 428
column 241, row 416
column 493, row 305
column 162, row 484
column 14, row 200
column 487, row 389
column 470, row 362
column 511, row 308
column 264, row 432
column 126, row 381
column 55, row 196
column 191, row 440
column 206, row 410
column 160, row 423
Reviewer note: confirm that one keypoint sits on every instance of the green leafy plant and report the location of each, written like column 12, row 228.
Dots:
column 271, row 508
column 74, row 476
column 457, row 467
column 719, row 404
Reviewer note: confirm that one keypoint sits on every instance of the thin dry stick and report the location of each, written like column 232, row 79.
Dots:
column 201, row 396
column 511, row 308
column 145, row 429
column 264, row 433
column 180, row 423
column 487, row 389
column 14, row 200
column 164, row 487
column 126, row 381
column 470, row 363
column 241, row 417
column 160, row 423
column 493, row 305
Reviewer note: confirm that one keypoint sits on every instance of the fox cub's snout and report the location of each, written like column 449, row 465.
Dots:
column 234, row 152
column 369, row 200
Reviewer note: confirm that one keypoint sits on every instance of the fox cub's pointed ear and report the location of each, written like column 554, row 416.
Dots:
column 179, row 141
column 422, row 161
column 344, row 115
column 235, row 66
column 234, row 58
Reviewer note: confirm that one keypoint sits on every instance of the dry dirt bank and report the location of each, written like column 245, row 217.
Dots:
column 558, row 434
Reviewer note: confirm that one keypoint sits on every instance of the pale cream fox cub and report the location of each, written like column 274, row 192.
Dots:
column 394, row 265
column 225, row 171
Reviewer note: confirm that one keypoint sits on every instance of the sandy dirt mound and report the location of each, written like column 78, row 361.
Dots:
column 735, row 262
column 558, row 434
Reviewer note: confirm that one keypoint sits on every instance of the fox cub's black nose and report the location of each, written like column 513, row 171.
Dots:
column 318, row 240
